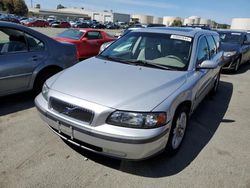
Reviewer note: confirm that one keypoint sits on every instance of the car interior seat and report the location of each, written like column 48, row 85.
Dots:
column 15, row 44
column 151, row 50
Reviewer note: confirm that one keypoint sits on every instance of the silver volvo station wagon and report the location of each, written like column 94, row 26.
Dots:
column 134, row 99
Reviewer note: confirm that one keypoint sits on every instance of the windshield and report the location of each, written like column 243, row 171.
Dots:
column 230, row 37
column 71, row 34
column 166, row 50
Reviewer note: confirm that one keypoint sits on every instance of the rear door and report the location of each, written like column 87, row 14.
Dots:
column 20, row 54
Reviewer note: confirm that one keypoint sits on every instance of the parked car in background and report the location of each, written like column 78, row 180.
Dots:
column 87, row 41
column 98, row 26
column 60, row 24
column 134, row 100
column 72, row 23
column 156, row 25
column 36, row 23
column 236, row 47
column 9, row 18
column 26, row 58
column 112, row 26
column 81, row 25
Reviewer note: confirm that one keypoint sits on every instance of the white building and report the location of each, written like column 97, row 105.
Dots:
column 168, row 20
column 143, row 19
column 66, row 15
column 157, row 20
column 100, row 16
column 120, row 17
column 240, row 23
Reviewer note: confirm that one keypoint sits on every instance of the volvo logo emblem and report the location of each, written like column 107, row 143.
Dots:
column 68, row 110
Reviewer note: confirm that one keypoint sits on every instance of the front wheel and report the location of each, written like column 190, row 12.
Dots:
column 178, row 130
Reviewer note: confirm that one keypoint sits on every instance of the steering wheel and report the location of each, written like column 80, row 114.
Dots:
column 174, row 57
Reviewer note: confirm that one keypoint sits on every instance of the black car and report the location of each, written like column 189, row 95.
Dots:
column 112, row 26
column 82, row 25
column 156, row 25
column 236, row 47
column 8, row 18
column 98, row 26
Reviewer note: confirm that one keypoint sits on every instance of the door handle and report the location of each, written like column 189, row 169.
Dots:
column 34, row 58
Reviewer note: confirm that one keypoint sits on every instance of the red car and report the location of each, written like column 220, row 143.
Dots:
column 59, row 24
column 36, row 23
column 87, row 41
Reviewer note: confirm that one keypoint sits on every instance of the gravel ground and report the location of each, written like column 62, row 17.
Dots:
column 215, row 152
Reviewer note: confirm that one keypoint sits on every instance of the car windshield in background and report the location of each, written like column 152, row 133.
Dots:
column 162, row 50
column 71, row 34
column 230, row 37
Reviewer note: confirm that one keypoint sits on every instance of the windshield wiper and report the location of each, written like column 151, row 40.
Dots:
column 146, row 63
column 136, row 62
column 112, row 58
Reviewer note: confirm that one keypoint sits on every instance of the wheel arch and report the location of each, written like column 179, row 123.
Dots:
column 41, row 70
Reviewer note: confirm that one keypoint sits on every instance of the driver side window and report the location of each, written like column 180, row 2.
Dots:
column 203, row 51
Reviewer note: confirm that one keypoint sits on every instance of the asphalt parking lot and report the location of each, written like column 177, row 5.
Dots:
column 215, row 152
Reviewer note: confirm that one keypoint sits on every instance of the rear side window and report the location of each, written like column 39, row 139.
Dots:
column 92, row 35
column 212, row 45
column 34, row 43
column 203, row 50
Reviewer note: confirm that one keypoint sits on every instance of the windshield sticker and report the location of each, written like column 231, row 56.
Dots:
column 235, row 33
column 179, row 37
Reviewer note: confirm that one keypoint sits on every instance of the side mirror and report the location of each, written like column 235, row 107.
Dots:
column 104, row 46
column 207, row 64
column 84, row 39
column 246, row 42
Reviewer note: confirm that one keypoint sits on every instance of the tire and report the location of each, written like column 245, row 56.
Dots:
column 178, row 130
column 40, row 80
column 214, row 90
column 237, row 65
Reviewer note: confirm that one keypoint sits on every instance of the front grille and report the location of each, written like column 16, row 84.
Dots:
column 71, row 110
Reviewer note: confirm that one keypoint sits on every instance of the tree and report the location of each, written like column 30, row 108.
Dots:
column 17, row 7
column 2, row 7
column 9, row 6
column 60, row 6
column 20, row 7
column 176, row 23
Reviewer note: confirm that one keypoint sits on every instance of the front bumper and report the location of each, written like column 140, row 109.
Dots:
column 126, row 147
column 230, row 62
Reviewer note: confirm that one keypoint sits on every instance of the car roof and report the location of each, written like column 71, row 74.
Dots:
column 190, row 32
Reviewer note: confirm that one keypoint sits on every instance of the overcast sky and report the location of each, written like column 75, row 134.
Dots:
column 221, row 11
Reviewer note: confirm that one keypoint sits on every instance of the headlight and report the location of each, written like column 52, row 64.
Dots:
column 137, row 119
column 45, row 91
column 229, row 54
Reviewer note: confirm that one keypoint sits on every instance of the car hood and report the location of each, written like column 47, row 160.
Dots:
column 117, row 85
column 229, row 47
